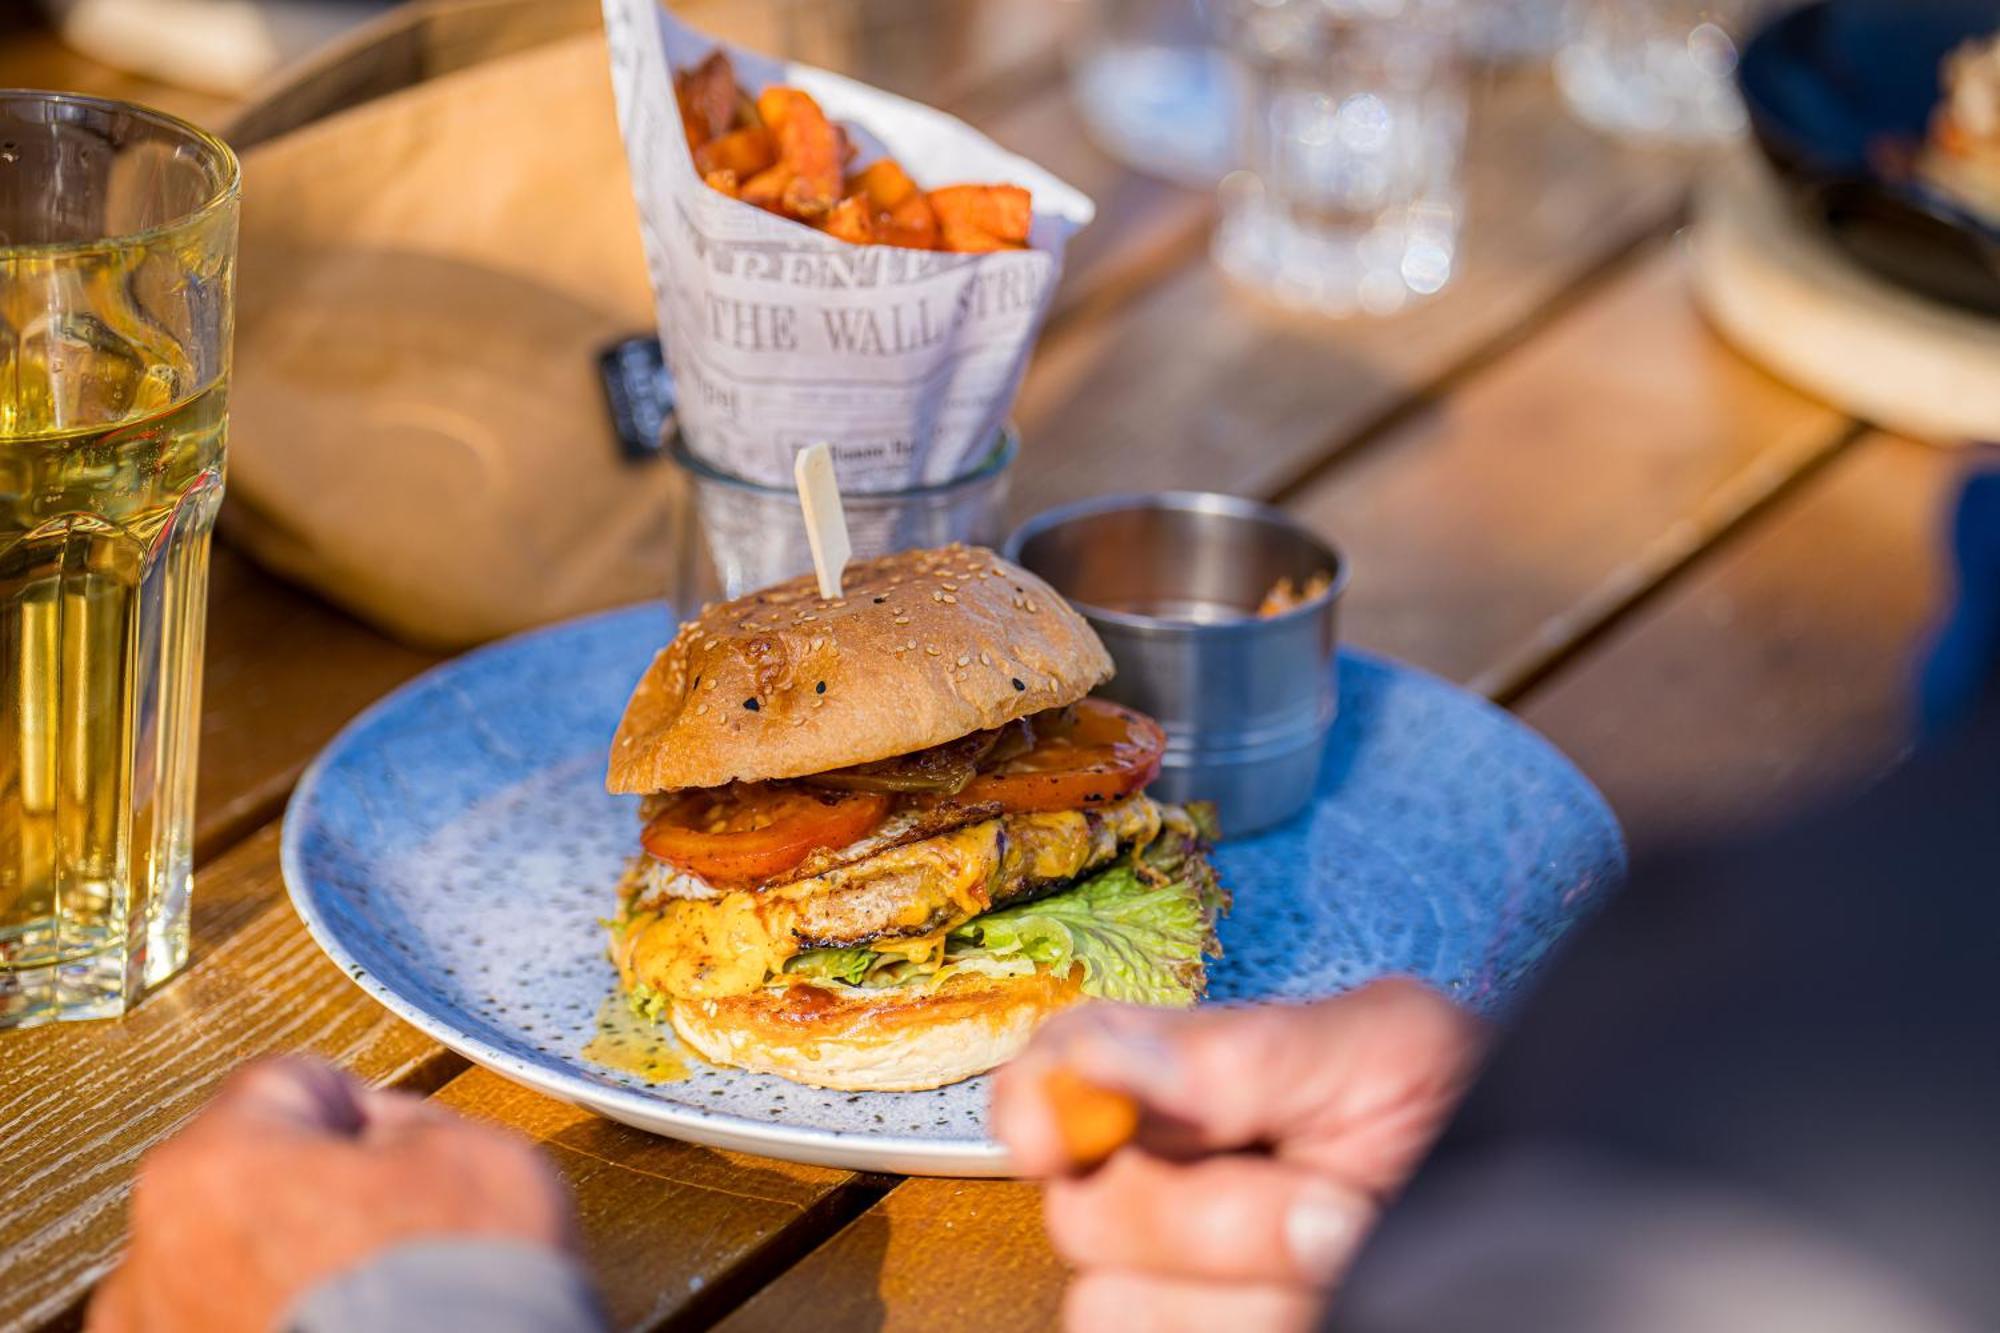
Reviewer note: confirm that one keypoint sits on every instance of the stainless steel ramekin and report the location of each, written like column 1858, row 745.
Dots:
column 1171, row 582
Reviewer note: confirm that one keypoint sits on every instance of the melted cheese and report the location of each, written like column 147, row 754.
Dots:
column 732, row 944
column 921, row 949
column 688, row 948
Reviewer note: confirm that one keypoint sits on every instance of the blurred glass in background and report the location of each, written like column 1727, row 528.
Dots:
column 1156, row 88
column 1655, row 69
column 1349, row 198
column 1506, row 30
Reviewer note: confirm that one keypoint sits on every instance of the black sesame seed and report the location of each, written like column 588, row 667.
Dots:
column 1017, row 683
column 820, row 688
column 880, row 600
column 750, row 704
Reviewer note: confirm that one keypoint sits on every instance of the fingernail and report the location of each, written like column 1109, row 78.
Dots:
column 1323, row 1229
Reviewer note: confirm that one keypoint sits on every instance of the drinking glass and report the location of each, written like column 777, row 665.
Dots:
column 1349, row 199
column 1521, row 30
column 1156, row 88
column 1655, row 69
column 755, row 536
column 117, row 256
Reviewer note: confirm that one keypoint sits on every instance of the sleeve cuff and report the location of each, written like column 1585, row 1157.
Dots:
column 496, row 1286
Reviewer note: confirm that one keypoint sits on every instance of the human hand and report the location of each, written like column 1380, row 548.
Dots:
column 296, row 1172
column 1269, row 1139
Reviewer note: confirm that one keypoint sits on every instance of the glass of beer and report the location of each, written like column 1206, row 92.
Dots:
column 117, row 263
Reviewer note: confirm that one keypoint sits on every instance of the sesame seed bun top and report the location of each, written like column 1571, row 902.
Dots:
column 922, row 647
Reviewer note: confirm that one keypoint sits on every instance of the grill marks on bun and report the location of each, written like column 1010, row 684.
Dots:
column 922, row 648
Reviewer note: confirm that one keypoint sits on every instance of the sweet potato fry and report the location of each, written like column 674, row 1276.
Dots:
column 746, row 152
column 767, row 188
column 707, row 95
column 903, row 216
column 810, row 145
column 973, row 218
column 852, row 220
column 774, row 104
column 910, row 224
column 884, row 182
column 958, row 239
column 1093, row 1122
column 779, row 152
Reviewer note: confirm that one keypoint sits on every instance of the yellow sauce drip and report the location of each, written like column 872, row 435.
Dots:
column 629, row 1044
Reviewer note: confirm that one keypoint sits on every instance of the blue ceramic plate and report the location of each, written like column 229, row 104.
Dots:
column 454, row 850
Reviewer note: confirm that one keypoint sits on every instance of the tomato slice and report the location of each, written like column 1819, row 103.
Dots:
column 1090, row 753
column 749, row 832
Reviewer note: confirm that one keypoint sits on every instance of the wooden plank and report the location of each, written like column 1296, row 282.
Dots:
column 1781, row 668
column 934, row 1254
column 672, row 1229
column 1488, row 530
column 1256, row 398
column 79, row 1102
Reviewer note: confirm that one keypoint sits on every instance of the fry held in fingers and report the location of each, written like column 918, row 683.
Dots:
column 1092, row 1121
column 779, row 152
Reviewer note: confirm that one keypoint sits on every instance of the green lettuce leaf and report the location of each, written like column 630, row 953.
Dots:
column 848, row 965
column 1138, row 929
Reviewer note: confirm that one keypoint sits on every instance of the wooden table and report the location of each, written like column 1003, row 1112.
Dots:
column 1556, row 486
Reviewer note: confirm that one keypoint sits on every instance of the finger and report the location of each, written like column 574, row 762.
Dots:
column 1228, row 1219
column 1025, row 1116
column 110, row 1309
column 510, row 1184
column 1364, row 1078
column 1120, row 1302
column 290, row 1093
column 390, row 1115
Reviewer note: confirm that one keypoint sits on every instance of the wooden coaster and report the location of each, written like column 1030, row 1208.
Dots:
column 1786, row 296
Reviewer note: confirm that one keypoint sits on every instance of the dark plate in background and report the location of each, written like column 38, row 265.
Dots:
column 1840, row 93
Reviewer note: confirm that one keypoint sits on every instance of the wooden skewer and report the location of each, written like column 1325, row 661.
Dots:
column 826, row 521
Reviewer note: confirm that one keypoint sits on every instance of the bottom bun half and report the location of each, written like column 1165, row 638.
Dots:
column 890, row 1040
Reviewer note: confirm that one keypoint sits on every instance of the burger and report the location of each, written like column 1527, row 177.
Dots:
column 885, row 835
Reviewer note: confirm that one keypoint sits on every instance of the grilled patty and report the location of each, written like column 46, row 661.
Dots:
column 729, row 944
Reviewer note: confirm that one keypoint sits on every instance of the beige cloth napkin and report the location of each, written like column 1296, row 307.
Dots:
column 418, row 431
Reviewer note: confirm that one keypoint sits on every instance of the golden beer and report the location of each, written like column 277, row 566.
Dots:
column 117, row 251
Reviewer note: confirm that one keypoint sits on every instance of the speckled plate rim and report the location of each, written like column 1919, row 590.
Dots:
column 878, row 1152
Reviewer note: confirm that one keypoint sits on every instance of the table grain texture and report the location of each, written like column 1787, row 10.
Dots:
column 1557, row 488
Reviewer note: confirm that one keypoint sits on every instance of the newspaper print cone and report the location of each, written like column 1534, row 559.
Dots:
column 778, row 335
